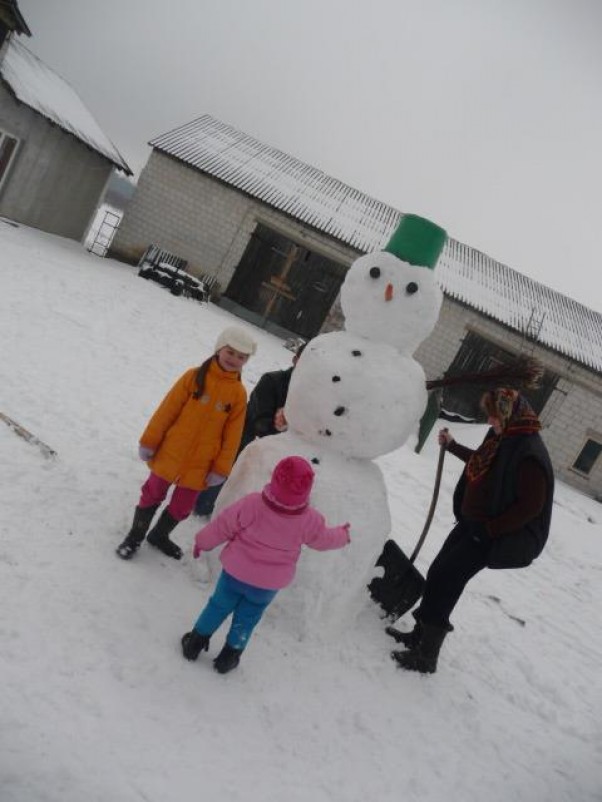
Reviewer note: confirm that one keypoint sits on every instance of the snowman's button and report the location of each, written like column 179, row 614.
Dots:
column 336, row 378
column 340, row 410
column 315, row 460
column 356, row 353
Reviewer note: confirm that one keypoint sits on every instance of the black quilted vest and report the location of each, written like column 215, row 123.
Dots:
column 515, row 549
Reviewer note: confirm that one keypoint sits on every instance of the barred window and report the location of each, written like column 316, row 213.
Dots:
column 588, row 456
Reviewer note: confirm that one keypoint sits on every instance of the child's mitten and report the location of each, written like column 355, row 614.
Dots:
column 214, row 479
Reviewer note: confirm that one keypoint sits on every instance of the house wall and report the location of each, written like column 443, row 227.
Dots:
column 202, row 220
column 572, row 413
column 55, row 181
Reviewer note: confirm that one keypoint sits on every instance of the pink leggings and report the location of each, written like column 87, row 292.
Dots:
column 182, row 499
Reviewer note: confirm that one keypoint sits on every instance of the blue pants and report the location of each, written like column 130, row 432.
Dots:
column 206, row 500
column 245, row 602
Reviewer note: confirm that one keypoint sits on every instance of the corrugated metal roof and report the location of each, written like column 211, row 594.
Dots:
column 287, row 184
column 521, row 303
column 37, row 86
column 364, row 223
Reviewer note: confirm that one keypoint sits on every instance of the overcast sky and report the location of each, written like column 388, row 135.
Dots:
column 483, row 115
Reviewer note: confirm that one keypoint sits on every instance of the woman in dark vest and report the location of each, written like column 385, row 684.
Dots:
column 503, row 509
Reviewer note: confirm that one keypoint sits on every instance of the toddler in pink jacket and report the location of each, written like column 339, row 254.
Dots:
column 263, row 533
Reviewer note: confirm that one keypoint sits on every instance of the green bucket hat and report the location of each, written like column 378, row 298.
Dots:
column 418, row 241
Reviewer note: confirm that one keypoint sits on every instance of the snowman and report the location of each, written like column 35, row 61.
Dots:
column 354, row 395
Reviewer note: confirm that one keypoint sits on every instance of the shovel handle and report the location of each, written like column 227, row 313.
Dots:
column 431, row 511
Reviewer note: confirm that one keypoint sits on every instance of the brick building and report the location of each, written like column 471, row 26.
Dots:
column 279, row 235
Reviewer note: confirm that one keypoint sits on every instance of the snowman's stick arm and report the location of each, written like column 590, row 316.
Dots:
column 525, row 372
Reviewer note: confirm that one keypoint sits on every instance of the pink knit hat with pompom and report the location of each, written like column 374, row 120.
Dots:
column 291, row 483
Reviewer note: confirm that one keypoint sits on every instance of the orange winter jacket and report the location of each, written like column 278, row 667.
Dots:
column 192, row 436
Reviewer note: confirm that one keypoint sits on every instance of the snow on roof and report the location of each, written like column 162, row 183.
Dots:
column 37, row 86
column 364, row 223
column 302, row 191
column 522, row 304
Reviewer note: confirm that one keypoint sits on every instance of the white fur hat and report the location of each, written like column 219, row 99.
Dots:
column 236, row 338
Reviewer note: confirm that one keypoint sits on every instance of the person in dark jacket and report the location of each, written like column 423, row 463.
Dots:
column 503, row 509
column 264, row 416
column 266, row 403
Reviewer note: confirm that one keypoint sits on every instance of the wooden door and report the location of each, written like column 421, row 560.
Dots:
column 285, row 283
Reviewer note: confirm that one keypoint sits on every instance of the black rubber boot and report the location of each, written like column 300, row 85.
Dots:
column 227, row 659
column 409, row 639
column 142, row 520
column 193, row 644
column 159, row 536
column 423, row 657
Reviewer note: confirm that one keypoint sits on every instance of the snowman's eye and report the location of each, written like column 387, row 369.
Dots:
column 375, row 272
column 411, row 288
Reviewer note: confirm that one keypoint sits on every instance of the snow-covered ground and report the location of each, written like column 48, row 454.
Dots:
column 96, row 702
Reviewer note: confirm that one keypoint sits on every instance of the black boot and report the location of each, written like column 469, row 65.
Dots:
column 423, row 657
column 193, row 644
column 142, row 520
column 409, row 639
column 159, row 536
column 227, row 659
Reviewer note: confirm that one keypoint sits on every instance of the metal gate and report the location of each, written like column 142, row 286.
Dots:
column 105, row 232
column 284, row 283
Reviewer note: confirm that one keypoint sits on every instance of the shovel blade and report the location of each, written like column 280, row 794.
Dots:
column 401, row 585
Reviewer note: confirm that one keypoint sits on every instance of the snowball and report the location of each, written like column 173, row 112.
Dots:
column 354, row 396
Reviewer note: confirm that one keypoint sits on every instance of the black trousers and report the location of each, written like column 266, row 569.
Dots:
column 459, row 559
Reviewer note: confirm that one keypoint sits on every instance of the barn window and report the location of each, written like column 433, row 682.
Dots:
column 588, row 456
column 8, row 148
column 477, row 355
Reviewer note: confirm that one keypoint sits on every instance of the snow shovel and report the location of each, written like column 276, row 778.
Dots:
column 402, row 584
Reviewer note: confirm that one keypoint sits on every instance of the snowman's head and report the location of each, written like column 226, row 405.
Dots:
column 389, row 300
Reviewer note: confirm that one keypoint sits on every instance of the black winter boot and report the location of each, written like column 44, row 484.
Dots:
column 193, row 643
column 142, row 520
column 423, row 657
column 159, row 536
column 409, row 639
column 227, row 659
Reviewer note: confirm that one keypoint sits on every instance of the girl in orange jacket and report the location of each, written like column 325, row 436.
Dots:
column 191, row 441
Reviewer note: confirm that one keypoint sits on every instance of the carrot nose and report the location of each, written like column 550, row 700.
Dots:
column 388, row 292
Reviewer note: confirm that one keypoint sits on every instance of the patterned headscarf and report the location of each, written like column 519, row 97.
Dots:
column 516, row 417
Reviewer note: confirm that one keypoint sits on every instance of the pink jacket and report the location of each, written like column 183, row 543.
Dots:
column 264, row 543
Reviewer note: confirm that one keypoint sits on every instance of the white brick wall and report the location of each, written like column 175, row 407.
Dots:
column 574, row 410
column 203, row 221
